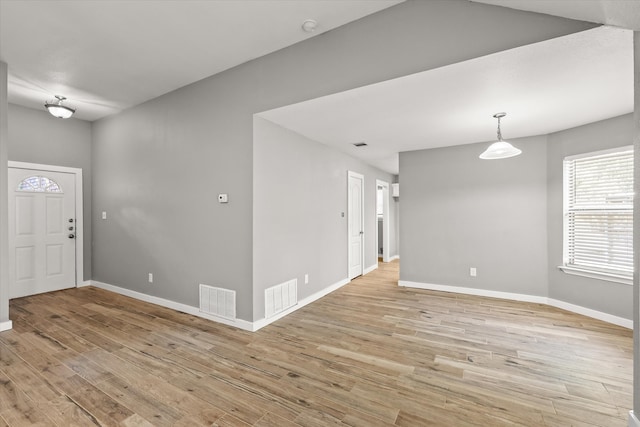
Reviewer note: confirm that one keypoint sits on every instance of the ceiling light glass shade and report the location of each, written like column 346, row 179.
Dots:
column 58, row 110
column 500, row 149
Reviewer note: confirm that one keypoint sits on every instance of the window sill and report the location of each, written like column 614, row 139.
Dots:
column 610, row 277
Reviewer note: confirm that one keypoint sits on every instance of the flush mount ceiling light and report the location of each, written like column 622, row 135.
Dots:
column 309, row 26
column 58, row 110
column 500, row 149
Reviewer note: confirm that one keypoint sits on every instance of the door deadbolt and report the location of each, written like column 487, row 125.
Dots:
column 71, row 228
column 70, row 219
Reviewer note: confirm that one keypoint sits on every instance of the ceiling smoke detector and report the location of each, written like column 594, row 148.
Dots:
column 309, row 26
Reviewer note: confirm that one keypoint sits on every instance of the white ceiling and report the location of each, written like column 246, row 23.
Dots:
column 619, row 13
column 106, row 56
column 543, row 87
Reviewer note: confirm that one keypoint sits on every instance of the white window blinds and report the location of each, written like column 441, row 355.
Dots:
column 598, row 226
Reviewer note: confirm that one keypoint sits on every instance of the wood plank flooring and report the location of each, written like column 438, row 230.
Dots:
column 369, row 354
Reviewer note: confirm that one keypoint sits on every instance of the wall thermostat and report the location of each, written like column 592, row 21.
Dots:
column 223, row 198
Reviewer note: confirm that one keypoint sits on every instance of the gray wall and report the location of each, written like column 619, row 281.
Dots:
column 4, row 228
column 37, row 137
column 459, row 212
column 158, row 167
column 609, row 297
column 300, row 193
column 503, row 217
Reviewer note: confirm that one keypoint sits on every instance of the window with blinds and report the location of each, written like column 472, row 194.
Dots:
column 598, row 220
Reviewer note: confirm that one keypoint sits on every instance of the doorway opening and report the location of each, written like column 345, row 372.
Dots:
column 382, row 220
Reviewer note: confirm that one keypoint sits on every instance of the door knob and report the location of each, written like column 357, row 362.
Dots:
column 72, row 236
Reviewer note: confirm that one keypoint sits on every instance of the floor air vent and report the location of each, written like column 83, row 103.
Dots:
column 218, row 301
column 280, row 297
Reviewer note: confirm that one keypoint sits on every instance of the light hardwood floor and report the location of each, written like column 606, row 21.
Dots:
column 369, row 354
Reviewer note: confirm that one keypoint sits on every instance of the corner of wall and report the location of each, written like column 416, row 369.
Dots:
column 4, row 214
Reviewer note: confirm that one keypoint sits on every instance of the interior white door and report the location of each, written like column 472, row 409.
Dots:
column 42, row 230
column 356, row 224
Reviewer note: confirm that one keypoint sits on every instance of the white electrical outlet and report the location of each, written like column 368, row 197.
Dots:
column 104, row 215
column 473, row 272
column 306, row 279
column 150, row 277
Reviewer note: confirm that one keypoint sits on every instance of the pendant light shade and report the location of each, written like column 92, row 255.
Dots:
column 500, row 149
column 58, row 110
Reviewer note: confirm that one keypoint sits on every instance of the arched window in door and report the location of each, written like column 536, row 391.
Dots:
column 39, row 184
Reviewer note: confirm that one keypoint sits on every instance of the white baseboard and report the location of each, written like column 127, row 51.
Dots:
column 259, row 324
column 633, row 420
column 195, row 311
column 370, row 269
column 605, row 317
column 620, row 321
column 474, row 291
column 5, row 326
column 394, row 257
column 83, row 284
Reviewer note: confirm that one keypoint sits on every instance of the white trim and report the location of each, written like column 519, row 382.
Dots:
column 605, row 317
column 195, row 311
column 351, row 174
column 370, row 269
column 85, row 284
column 5, row 326
column 633, row 421
column 474, row 291
column 79, row 208
column 609, row 277
column 261, row 323
column 394, row 257
column 599, row 152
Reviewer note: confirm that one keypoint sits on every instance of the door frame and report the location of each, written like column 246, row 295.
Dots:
column 351, row 174
column 79, row 276
column 385, row 220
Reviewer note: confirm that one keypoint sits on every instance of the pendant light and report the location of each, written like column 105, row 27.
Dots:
column 58, row 110
column 500, row 149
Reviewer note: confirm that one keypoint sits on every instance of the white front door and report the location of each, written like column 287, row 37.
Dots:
column 356, row 224
column 42, row 231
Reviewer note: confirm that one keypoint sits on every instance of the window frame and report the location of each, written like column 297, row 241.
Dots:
column 611, row 276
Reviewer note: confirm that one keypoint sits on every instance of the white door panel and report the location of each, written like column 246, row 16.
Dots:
column 25, row 261
column 356, row 224
column 41, row 231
